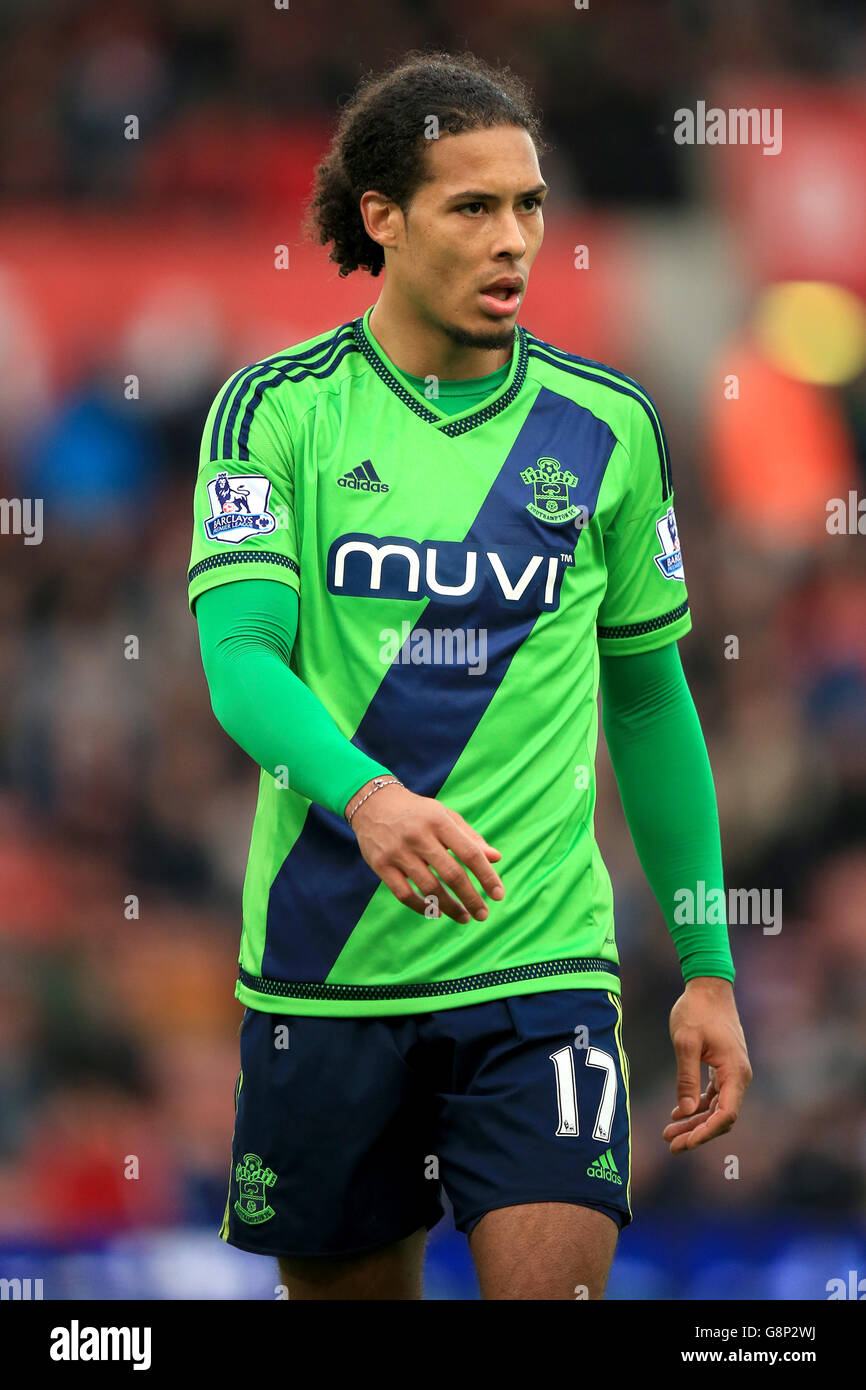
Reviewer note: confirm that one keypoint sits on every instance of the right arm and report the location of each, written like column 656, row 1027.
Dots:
column 246, row 632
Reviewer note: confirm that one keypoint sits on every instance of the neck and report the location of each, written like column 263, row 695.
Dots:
column 423, row 348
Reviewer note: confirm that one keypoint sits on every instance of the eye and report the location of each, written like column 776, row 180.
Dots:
column 466, row 206
column 534, row 201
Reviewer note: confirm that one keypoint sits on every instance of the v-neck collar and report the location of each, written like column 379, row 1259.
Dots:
column 446, row 424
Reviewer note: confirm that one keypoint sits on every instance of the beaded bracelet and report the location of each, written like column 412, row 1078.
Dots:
column 378, row 784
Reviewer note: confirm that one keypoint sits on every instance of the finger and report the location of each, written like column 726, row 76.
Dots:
column 470, row 830
column 690, row 1121
column 402, row 889
column 704, row 1101
column 458, row 881
column 429, row 885
column 717, row 1123
column 706, row 1127
column 683, row 1126
column 687, row 1047
column 732, row 1084
column 474, row 836
column 474, row 858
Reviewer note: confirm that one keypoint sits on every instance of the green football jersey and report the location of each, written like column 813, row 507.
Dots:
column 457, row 576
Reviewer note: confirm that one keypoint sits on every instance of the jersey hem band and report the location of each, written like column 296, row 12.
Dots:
column 332, row 1006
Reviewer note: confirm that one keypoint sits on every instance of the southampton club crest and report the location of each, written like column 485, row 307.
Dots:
column 550, row 483
column 253, row 1180
column 239, row 507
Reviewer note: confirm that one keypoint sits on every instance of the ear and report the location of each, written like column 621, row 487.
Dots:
column 383, row 219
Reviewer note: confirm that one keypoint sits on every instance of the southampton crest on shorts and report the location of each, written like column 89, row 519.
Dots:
column 253, row 1181
column 239, row 507
column 550, row 484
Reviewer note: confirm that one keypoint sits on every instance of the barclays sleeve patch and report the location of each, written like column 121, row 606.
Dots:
column 670, row 561
column 239, row 507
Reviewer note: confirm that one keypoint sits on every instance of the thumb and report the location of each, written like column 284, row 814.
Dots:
column 687, row 1046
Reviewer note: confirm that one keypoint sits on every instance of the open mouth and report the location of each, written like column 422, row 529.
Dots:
column 501, row 300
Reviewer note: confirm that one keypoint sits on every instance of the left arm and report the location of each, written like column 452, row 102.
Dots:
column 662, row 769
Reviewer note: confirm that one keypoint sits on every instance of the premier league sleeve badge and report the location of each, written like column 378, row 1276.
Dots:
column 239, row 507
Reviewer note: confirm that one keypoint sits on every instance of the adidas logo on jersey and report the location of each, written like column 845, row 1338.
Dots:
column 604, row 1167
column 364, row 478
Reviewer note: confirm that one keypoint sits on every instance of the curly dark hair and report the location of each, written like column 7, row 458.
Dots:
column 380, row 140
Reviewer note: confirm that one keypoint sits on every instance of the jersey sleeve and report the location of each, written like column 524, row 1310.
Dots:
column 645, row 604
column 243, row 504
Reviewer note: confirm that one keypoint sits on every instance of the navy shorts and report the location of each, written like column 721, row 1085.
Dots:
column 348, row 1129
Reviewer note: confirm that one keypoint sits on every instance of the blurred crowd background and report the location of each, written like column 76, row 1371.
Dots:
column 135, row 274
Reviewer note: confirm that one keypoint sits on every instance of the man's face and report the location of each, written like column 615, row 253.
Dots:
column 476, row 221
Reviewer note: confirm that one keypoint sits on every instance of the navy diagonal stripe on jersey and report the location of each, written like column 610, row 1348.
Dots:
column 626, row 390
column 421, row 717
column 315, row 359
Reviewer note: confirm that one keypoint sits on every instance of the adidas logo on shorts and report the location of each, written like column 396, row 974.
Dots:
column 604, row 1167
column 364, row 478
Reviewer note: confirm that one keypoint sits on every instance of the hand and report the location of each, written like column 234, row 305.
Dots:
column 705, row 1027
column 403, row 836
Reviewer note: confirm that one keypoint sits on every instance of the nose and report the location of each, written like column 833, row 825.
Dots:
column 509, row 239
